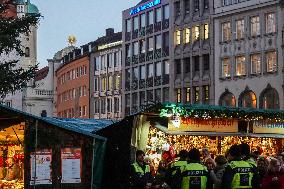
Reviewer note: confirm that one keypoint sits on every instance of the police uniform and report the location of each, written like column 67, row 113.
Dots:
column 140, row 176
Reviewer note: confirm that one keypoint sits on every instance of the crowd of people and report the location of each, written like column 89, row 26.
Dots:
column 196, row 169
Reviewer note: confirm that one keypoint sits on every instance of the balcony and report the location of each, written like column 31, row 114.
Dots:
column 142, row 57
column 158, row 80
column 37, row 93
column 165, row 52
column 157, row 26
column 142, row 32
column 116, row 92
column 149, row 29
column 166, row 24
column 149, row 56
column 149, row 82
column 96, row 94
column 102, row 93
column 135, row 59
column 109, row 93
column 134, row 85
column 158, row 54
column 135, row 34
column 142, row 84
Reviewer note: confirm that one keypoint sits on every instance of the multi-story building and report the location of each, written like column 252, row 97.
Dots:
column 73, row 85
column 105, row 76
column 29, row 44
column 167, row 53
column 249, row 53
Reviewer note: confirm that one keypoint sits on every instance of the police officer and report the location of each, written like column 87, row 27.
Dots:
column 141, row 177
column 246, row 155
column 194, row 174
column 239, row 173
column 174, row 172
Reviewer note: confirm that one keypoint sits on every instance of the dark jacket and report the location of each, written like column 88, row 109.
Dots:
column 139, row 181
column 269, row 183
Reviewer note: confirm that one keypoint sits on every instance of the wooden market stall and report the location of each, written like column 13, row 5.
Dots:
column 49, row 153
column 174, row 126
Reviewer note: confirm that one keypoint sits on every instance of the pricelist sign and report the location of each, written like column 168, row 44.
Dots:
column 145, row 6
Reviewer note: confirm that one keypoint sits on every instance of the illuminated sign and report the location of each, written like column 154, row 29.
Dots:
column 145, row 6
column 105, row 46
column 266, row 127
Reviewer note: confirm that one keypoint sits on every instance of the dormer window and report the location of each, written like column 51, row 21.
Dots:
column 27, row 52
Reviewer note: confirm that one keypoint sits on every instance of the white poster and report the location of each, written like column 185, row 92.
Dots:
column 71, row 165
column 41, row 167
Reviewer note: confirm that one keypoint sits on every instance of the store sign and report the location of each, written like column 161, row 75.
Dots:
column 109, row 45
column 268, row 127
column 41, row 167
column 145, row 6
column 202, row 125
column 71, row 165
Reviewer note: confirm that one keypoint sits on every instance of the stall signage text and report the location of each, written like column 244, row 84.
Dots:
column 200, row 125
column 145, row 6
column 268, row 127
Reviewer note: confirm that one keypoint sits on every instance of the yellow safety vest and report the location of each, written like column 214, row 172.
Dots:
column 177, row 165
column 194, row 176
column 243, row 173
column 138, row 169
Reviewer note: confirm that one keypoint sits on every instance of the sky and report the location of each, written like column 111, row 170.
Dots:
column 85, row 19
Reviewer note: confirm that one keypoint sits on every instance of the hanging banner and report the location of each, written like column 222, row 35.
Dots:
column 268, row 127
column 202, row 125
column 41, row 167
column 71, row 165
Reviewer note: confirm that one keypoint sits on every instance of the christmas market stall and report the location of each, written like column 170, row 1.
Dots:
column 49, row 153
column 163, row 130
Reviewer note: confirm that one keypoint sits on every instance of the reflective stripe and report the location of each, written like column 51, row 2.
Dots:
column 243, row 173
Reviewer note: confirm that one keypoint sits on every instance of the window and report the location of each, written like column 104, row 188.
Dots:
column 166, row 12
column 227, row 99
column 269, row 99
column 158, row 69
column 117, row 82
column 110, row 83
column 226, row 67
column 150, row 95
column 166, row 92
column 150, row 44
column 166, row 40
column 255, row 63
column 166, row 67
column 254, row 26
column 240, row 29
column 178, row 91
column 178, row 66
column 195, row 33
column 247, row 99
column 150, row 17
column 142, row 72
column 135, row 48
column 158, row 14
column 134, row 99
column 206, row 4
column 103, row 105
column 8, row 103
column 104, row 62
column 85, row 110
column 196, row 94
column 110, row 60
column 116, row 105
column 142, row 97
column 84, row 91
column 206, row 94
column 127, row 50
column 271, row 61
column 142, row 46
column 97, row 106
column 186, row 6
column 186, row 35
column 150, row 70
column 196, row 63
column 240, row 65
column 104, row 83
column 80, row 111
column 115, row 59
column 80, row 92
column 270, row 23
column 186, row 65
column 128, row 25
column 109, row 105
column 135, row 23
column 142, row 20
column 188, row 95
column 227, row 2
column 27, row 52
column 96, row 84
column 226, row 31
column 206, row 62
column 206, row 31
column 158, row 42
column 135, row 74
column 158, row 95
column 196, row 5
column 177, row 9
column 177, row 37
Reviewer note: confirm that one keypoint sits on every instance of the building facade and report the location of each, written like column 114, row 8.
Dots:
column 73, row 85
column 167, row 53
column 29, row 43
column 105, row 61
column 249, row 54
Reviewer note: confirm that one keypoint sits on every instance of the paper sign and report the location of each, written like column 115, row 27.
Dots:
column 71, row 165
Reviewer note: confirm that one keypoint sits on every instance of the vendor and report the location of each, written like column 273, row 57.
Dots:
column 13, row 170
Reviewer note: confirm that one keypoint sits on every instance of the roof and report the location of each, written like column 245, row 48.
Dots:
column 32, row 9
column 42, row 73
column 81, row 126
column 109, row 39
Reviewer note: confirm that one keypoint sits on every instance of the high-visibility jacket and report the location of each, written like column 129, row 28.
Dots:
column 138, row 169
column 177, row 165
column 243, row 174
column 194, row 176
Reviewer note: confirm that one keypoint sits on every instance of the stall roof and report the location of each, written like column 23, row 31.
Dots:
column 82, row 126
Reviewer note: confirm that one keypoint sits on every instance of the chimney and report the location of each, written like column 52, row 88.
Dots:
column 109, row 31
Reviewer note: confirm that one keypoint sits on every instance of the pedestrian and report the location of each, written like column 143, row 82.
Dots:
column 274, row 179
column 217, row 173
column 245, row 154
column 239, row 173
column 174, row 171
column 141, row 177
column 281, row 161
column 194, row 174
column 205, row 154
column 262, row 166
